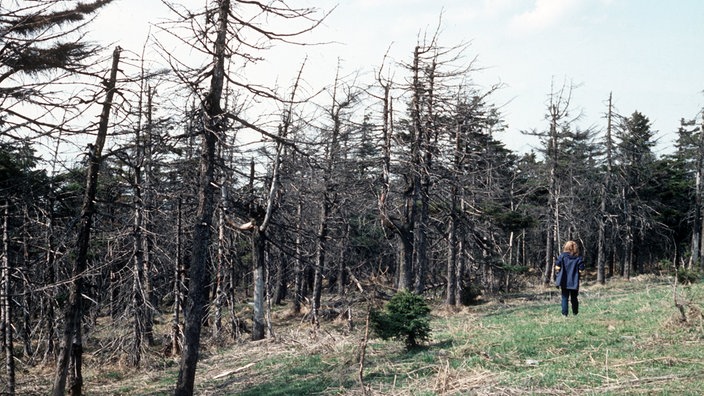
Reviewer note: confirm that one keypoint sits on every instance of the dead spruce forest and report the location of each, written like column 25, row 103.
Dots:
column 200, row 198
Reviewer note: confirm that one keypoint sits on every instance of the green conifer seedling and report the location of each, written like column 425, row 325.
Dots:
column 405, row 317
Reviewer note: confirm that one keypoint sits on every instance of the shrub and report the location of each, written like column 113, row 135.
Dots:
column 469, row 295
column 688, row 276
column 405, row 317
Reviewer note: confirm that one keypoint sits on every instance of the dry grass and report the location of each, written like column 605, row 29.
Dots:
column 629, row 339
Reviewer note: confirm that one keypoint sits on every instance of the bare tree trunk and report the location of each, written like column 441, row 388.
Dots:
column 401, row 227
column 461, row 269
column 6, row 305
column 628, row 247
column 405, row 263
column 142, row 301
column 342, row 263
column 549, row 252
column 696, row 259
column 699, row 204
column 176, row 334
column 601, row 243
column 26, row 293
column 48, row 301
column 258, row 242
column 557, row 111
column 451, row 291
column 417, row 175
column 259, row 223
column 138, row 303
column 328, row 196
column 428, row 142
column 148, row 206
column 220, row 269
column 258, row 257
column 298, row 266
column 199, row 276
column 280, row 280
column 50, row 279
column 71, row 343
column 453, row 275
column 320, row 259
column 27, row 304
column 606, row 189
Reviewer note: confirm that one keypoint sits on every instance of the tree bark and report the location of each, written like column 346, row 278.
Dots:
column 700, row 196
column 138, row 302
column 629, row 240
column 6, row 304
column 176, row 334
column 342, row 263
column 220, row 266
column 50, row 279
column 451, row 291
column 299, row 267
column 606, row 189
column 26, row 307
column 461, row 269
column 698, row 223
column 147, row 242
column 258, row 257
column 259, row 223
column 416, row 200
column 71, row 342
column 199, row 276
column 320, row 260
column 280, row 279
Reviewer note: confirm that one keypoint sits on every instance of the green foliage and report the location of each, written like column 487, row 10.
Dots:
column 405, row 317
column 508, row 219
column 470, row 294
column 688, row 276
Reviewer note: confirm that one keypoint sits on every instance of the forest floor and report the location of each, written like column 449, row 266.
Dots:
column 629, row 338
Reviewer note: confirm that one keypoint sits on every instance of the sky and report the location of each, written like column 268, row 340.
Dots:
column 647, row 53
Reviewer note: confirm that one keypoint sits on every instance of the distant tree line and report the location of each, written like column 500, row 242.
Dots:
column 199, row 190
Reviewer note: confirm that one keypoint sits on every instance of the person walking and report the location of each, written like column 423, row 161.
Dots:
column 568, row 269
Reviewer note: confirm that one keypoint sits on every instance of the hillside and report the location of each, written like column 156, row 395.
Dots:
column 628, row 339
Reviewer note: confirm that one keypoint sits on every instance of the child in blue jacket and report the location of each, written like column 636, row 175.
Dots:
column 568, row 268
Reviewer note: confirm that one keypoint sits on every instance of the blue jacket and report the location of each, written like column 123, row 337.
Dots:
column 570, row 267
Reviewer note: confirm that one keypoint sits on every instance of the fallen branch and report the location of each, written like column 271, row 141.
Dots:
column 237, row 370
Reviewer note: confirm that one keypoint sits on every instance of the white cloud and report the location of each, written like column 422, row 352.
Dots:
column 544, row 14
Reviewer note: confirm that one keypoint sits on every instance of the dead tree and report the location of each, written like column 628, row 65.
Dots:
column 213, row 125
column 6, row 304
column 603, row 218
column 341, row 101
column 558, row 111
column 71, row 350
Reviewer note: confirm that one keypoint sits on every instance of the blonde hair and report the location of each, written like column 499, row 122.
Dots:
column 571, row 248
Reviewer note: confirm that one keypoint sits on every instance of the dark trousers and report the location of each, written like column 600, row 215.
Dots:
column 572, row 296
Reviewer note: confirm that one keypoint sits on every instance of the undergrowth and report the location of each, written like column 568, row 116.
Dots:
column 629, row 338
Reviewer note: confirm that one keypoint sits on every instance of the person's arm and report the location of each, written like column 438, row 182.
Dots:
column 558, row 264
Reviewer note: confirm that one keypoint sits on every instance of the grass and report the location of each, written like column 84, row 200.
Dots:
column 628, row 339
